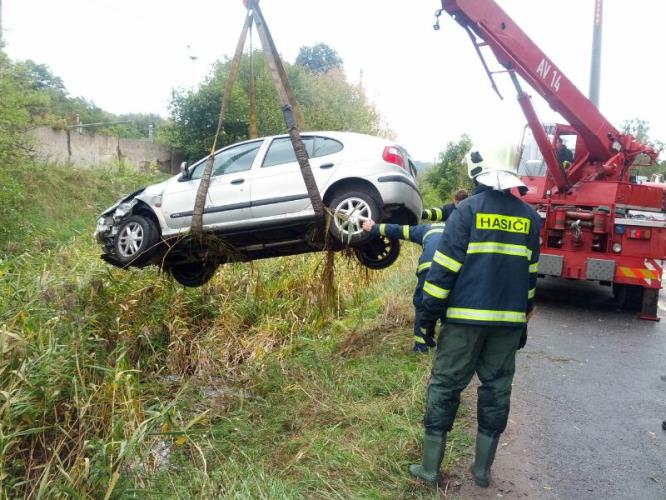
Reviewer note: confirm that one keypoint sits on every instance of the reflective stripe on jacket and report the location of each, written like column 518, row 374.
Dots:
column 438, row 214
column 485, row 268
column 426, row 235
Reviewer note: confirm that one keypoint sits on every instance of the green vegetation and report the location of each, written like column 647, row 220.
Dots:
column 276, row 379
column 327, row 99
column 448, row 174
column 260, row 383
column 319, row 58
column 32, row 96
column 640, row 129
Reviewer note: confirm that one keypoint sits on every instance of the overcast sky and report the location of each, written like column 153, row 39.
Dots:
column 127, row 56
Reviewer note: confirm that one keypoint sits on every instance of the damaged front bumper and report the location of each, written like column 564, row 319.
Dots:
column 109, row 222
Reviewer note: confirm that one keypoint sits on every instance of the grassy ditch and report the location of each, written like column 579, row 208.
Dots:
column 122, row 383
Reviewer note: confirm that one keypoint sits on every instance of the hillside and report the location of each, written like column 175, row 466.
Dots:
column 262, row 383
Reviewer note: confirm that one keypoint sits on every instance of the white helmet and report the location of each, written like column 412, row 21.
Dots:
column 497, row 170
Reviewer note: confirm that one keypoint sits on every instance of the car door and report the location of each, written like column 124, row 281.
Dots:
column 278, row 189
column 228, row 200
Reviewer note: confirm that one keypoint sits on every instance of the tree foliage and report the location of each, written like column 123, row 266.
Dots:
column 328, row 101
column 319, row 58
column 33, row 96
column 16, row 104
column 450, row 172
column 640, row 129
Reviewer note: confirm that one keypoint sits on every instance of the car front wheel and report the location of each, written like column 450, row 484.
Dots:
column 136, row 237
column 194, row 274
column 378, row 253
column 350, row 210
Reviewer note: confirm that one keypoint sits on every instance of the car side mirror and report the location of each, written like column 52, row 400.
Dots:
column 185, row 170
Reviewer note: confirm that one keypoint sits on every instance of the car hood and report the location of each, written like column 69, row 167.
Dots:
column 151, row 190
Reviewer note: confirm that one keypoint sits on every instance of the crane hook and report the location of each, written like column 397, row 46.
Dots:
column 438, row 13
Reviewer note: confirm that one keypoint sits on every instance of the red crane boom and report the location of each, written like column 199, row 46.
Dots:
column 605, row 145
column 597, row 224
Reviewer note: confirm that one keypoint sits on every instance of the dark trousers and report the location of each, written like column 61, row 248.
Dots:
column 490, row 351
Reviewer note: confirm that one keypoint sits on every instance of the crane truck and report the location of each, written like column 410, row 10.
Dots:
column 598, row 223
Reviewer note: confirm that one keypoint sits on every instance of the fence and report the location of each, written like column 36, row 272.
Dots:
column 83, row 150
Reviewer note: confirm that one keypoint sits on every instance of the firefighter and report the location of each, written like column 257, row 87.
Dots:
column 426, row 235
column 483, row 279
column 441, row 214
column 564, row 155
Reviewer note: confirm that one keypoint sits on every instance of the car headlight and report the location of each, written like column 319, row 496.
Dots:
column 123, row 209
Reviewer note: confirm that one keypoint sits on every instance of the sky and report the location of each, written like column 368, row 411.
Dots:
column 429, row 86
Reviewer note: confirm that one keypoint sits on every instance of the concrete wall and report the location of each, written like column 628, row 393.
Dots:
column 85, row 151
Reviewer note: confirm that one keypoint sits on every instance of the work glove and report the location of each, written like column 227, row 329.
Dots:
column 427, row 330
column 523, row 339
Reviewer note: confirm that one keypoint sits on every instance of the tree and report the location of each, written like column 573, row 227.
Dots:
column 640, row 129
column 450, row 172
column 319, row 58
column 327, row 100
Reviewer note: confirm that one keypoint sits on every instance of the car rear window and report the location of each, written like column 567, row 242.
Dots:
column 325, row 146
column 281, row 151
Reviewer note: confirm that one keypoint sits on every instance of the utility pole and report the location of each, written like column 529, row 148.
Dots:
column 1, row 42
column 595, row 70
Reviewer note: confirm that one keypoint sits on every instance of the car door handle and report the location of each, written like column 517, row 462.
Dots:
column 327, row 165
column 238, row 181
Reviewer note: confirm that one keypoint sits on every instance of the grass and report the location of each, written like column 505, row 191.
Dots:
column 123, row 384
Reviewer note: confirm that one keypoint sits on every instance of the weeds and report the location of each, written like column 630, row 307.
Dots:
column 121, row 383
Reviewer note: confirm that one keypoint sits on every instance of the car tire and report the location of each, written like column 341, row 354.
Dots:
column 136, row 239
column 194, row 274
column 358, row 202
column 379, row 253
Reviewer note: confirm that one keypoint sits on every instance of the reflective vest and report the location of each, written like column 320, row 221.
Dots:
column 485, row 267
column 426, row 235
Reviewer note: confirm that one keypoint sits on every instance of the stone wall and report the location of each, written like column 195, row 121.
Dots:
column 86, row 151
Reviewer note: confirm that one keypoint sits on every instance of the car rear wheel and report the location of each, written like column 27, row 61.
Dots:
column 350, row 210
column 135, row 239
column 378, row 253
column 194, row 274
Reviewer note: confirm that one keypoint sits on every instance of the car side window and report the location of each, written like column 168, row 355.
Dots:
column 325, row 146
column 232, row 160
column 281, row 151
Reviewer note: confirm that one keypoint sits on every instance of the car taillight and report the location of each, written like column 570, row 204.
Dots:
column 639, row 234
column 393, row 155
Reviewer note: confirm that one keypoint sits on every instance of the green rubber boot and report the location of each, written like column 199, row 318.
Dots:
column 485, row 455
column 433, row 453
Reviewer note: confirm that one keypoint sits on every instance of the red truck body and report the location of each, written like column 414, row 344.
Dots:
column 597, row 224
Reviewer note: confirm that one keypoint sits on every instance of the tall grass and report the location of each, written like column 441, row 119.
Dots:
column 118, row 383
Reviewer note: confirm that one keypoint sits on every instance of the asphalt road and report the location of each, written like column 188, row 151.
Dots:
column 588, row 402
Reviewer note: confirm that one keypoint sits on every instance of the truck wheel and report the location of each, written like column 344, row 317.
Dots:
column 629, row 297
column 379, row 253
column 350, row 209
column 194, row 274
column 135, row 239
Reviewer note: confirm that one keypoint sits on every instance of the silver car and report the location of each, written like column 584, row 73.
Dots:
column 258, row 206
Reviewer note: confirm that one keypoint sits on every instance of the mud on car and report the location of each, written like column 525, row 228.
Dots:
column 258, row 206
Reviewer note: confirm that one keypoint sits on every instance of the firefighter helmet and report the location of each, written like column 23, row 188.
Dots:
column 496, row 170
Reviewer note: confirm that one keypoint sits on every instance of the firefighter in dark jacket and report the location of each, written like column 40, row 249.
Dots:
column 441, row 214
column 426, row 235
column 483, row 279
